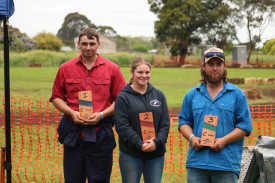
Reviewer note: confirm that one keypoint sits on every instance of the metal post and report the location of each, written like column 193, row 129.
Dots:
column 8, row 165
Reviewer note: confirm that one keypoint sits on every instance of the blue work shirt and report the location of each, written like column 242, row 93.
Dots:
column 232, row 109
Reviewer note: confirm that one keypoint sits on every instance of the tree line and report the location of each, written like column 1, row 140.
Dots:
column 73, row 23
column 184, row 22
column 180, row 23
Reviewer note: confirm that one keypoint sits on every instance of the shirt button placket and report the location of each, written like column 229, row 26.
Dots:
column 87, row 86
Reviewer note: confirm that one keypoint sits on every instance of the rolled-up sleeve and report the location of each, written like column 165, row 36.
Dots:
column 243, row 116
column 58, row 90
column 186, row 116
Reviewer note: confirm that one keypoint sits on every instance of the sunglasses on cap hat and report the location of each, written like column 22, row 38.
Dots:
column 212, row 54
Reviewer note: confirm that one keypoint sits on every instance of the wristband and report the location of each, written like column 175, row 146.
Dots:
column 102, row 116
column 191, row 137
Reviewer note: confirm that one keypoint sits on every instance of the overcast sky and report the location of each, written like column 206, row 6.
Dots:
column 127, row 17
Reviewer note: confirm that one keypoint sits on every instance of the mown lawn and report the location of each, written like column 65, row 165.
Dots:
column 36, row 154
column 174, row 82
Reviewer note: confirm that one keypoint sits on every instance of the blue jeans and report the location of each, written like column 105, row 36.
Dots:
column 132, row 167
column 195, row 175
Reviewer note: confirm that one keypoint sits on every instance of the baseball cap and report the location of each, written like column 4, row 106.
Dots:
column 213, row 52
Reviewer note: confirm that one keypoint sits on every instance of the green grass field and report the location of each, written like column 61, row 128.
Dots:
column 174, row 82
column 36, row 154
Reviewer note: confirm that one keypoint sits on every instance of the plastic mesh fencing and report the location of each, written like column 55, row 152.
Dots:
column 37, row 156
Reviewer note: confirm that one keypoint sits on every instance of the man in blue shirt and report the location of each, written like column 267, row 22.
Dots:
column 214, row 98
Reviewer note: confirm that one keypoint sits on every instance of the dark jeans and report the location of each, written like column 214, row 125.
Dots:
column 90, row 159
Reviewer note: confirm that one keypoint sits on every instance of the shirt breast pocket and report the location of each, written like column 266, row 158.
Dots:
column 227, row 111
column 101, row 87
column 198, row 110
column 227, row 117
column 73, row 85
column 198, row 107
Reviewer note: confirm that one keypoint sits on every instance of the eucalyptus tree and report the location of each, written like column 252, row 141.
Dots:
column 255, row 16
column 72, row 25
column 180, row 20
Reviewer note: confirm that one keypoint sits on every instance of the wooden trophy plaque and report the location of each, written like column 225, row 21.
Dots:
column 85, row 104
column 208, row 134
column 147, row 126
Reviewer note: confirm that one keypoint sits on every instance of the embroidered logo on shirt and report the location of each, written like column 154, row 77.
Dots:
column 155, row 103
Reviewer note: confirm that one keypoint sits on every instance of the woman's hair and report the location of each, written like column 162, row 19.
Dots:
column 136, row 62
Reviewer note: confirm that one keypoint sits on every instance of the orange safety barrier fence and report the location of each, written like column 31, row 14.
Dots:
column 37, row 155
column 3, row 158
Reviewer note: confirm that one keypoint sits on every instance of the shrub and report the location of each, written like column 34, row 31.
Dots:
column 140, row 49
column 269, row 47
column 45, row 57
column 48, row 41
column 125, row 59
column 49, row 58
column 20, row 42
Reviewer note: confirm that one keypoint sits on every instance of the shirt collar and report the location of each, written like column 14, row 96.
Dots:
column 226, row 86
column 99, row 60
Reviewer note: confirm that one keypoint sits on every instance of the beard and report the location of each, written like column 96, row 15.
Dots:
column 215, row 79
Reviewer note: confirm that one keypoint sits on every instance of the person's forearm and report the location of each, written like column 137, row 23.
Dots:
column 62, row 106
column 234, row 136
column 109, row 111
column 186, row 131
